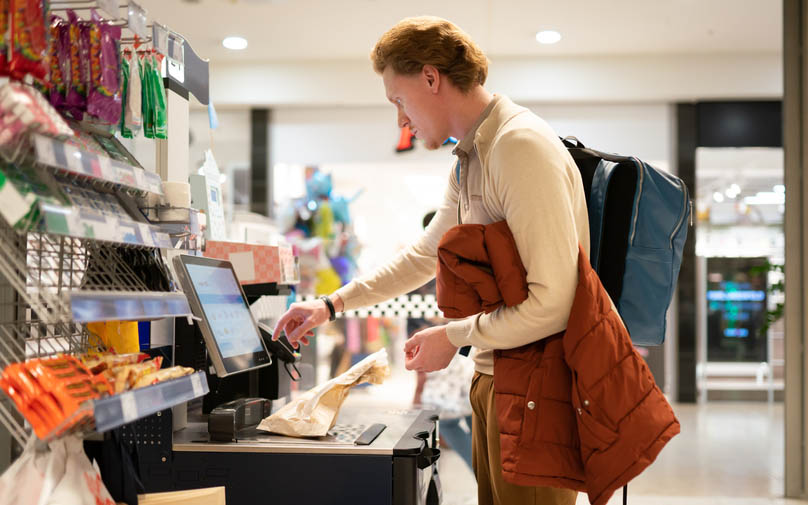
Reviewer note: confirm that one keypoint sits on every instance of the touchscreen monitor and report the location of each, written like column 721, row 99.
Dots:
column 231, row 335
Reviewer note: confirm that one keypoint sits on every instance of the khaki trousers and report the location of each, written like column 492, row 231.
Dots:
column 491, row 487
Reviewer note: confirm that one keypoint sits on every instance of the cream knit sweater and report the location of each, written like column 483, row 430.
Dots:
column 528, row 178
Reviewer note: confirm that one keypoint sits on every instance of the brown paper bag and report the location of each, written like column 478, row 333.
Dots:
column 315, row 411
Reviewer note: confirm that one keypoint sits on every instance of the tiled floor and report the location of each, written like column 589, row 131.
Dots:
column 728, row 453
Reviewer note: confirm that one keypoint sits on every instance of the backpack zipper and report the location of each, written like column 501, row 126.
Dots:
column 637, row 203
column 684, row 211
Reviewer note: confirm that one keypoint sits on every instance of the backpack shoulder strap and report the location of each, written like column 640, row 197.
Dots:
column 600, row 185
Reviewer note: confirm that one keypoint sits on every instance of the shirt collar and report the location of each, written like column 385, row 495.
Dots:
column 466, row 144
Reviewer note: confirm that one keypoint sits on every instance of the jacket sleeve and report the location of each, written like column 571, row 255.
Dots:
column 534, row 189
column 411, row 268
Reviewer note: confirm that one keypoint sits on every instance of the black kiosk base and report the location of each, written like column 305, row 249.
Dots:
column 398, row 468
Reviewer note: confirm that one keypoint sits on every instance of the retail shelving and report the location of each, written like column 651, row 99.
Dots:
column 76, row 246
column 114, row 411
column 77, row 162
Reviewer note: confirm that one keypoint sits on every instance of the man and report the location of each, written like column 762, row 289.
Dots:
column 512, row 166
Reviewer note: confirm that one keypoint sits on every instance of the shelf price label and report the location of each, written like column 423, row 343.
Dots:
column 110, row 7
column 196, row 384
column 128, row 407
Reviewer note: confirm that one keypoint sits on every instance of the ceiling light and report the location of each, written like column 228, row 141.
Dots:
column 235, row 43
column 548, row 37
column 718, row 197
column 779, row 188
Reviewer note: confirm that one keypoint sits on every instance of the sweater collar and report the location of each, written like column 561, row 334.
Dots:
column 466, row 144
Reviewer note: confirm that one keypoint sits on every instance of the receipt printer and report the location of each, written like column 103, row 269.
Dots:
column 237, row 419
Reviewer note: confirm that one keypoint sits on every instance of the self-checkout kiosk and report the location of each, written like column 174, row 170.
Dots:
column 372, row 456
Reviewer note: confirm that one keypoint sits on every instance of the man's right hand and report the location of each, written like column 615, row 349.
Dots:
column 299, row 321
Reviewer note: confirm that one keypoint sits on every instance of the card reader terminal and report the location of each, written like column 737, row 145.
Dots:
column 237, row 419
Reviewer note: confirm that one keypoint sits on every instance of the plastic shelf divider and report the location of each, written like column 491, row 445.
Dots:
column 92, row 306
column 115, row 411
column 58, row 154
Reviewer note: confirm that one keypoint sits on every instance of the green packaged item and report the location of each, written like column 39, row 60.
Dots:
column 16, row 206
column 125, row 132
column 160, row 127
column 147, row 96
column 24, row 191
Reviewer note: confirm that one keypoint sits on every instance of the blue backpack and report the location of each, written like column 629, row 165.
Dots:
column 638, row 219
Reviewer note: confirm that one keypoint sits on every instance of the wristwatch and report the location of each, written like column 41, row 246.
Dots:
column 332, row 313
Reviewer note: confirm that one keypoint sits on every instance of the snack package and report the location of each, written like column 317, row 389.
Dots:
column 65, row 378
column 132, row 114
column 124, row 378
column 38, row 406
column 59, row 60
column 125, row 70
column 24, row 110
column 104, row 99
column 119, row 336
column 76, row 82
column 101, row 362
column 165, row 374
column 159, row 90
column 147, row 95
column 315, row 411
column 29, row 39
column 19, row 208
column 4, row 19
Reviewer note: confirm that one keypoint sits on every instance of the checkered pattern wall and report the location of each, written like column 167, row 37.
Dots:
column 403, row 306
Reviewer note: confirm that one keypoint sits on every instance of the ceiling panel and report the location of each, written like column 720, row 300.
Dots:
column 282, row 30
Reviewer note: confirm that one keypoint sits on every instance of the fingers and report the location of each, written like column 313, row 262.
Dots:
column 281, row 325
column 411, row 353
column 412, row 343
column 303, row 328
column 412, row 361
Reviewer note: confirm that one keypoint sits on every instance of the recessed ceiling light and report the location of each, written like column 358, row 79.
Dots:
column 235, row 43
column 548, row 37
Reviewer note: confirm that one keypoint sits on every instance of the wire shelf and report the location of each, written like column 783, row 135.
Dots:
column 59, row 277
column 51, row 284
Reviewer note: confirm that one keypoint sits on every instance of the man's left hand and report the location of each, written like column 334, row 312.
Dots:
column 429, row 350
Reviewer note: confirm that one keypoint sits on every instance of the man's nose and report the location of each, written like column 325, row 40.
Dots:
column 403, row 120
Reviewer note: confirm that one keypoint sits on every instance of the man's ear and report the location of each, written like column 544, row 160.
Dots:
column 432, row 77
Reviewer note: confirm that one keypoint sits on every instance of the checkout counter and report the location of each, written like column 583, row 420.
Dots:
column 370, row 456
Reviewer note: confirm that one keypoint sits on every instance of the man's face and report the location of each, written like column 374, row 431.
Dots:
column 417, row 104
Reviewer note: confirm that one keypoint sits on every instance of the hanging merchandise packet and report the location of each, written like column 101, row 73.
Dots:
column 76, row 78
column 104, row 99
column 125, row 70
column 147, row 96
column 29, row 39
column 58, row 56
column 4, row 19
column 160, row 128
column 131, row 119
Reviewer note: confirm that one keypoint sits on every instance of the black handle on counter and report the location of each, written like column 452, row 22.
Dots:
column 427, row 458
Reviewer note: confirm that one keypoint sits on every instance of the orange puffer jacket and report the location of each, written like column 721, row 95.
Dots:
column 579, row 409
column 479, row 269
